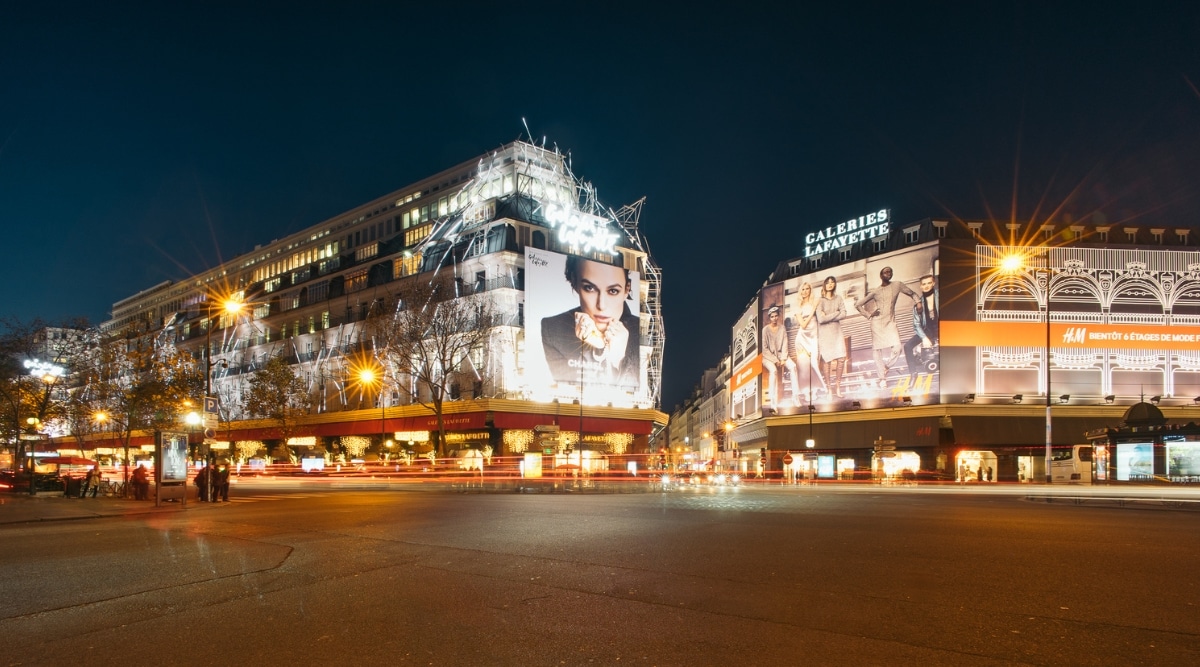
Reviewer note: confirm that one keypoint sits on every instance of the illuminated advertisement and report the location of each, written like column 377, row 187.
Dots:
column 1123, row 322
column 1134, row 461
column 746, row 365
column 582, row 332
column 863, row 332
column 1183, row 459
column 173, row 454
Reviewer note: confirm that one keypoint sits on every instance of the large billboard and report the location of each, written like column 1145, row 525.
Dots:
column 582, row 330
column 864, row 332
column 744, row 400
column 1122, row 322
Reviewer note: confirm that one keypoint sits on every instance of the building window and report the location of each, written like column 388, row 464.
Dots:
column 911, row 235
column 1047, row 232
column 1131, row 234
column 844, row 255
column 366, row 252
column 1157, row 235
column 1102, row 232
column 880, row 244
column 814, row 263
column 974, row 227
column 414, row 236
column 1183, row 236
column 356, row 280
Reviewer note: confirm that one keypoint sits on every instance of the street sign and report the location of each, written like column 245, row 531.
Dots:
column 787, row 459
column 210, row 405
column 34, row 436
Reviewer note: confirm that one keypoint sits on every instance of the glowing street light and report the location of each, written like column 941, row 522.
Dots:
column 370, row 376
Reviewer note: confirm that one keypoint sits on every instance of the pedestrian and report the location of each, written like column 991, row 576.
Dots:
column 221, row 484
column 141, row 483
column 201, row 483
column 92, row 481
column 989, row 475
column 962, row 471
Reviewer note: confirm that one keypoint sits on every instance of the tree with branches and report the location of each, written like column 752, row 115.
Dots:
column 25, row 397
column 427, row 342
column 278, row 394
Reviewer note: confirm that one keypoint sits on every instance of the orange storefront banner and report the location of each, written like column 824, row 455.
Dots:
column 1065, row 334
column 747, row 373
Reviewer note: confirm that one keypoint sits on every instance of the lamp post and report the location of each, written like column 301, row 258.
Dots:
column 49, row 374
column 368, row 377
column 1013, row 263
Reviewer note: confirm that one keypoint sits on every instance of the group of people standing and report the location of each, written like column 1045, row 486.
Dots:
column 215, row 481
column 820, row 338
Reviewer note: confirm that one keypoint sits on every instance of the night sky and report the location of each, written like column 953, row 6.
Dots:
column 141, row 146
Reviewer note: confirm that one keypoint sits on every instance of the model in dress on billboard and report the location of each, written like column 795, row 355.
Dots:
column 600, row 340
column 926, row 318
column 831, row 343
column 806, row 336
column 885, row 337
column 774, row 356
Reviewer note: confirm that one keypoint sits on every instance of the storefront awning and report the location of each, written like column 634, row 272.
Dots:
column 857, row 433
column 569, row 422
column 987, row 431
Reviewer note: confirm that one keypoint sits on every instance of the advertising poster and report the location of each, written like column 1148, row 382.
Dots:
column 1183, row 459
column 173, row 454
column 1134, row 461
column 746, row 365
column 1122, row 323
column 864, row 332
column 582, row 326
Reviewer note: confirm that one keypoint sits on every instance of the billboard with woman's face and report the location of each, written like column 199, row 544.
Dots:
column 863, row 332
column 582, row 330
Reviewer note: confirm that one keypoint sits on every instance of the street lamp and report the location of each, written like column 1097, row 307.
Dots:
column 368, row 377
column 48, row 373
column 231, row 307
column 810, row 443
column 1012, row 264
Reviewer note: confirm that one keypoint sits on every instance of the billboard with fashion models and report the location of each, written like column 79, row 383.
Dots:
column 864, row 332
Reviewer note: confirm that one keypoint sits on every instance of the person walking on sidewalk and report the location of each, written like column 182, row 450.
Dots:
column 141, row 483
column 221, row 484
column 202, row 483
column 91, row 481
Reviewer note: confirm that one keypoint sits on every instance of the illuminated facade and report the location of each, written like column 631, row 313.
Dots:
column 494, row 224
column 927, row 349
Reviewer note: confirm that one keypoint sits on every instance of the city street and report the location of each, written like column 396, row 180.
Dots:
column 746, row 576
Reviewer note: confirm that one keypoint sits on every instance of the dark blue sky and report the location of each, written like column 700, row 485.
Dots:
column 140, row 146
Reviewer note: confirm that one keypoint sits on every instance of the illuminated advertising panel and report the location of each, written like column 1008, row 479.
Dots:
column 173, row 454
column 1183, row 458
column 864, row 332
column 1135, row 461
column 582, row 332
column 746, row 365
column 1123, row 322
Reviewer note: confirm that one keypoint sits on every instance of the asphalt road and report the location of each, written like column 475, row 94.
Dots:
column 752, row 576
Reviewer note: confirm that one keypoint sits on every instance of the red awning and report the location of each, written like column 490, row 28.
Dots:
column 526, row 420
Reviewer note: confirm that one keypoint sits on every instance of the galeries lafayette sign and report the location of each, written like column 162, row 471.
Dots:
column 850, row 232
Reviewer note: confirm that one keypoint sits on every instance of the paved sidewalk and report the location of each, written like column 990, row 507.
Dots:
column 51, row 506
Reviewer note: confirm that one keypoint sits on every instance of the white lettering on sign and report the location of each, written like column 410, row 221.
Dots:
column 587, row 233
column 846, row 233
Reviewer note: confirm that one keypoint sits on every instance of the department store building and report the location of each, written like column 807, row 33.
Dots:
column 934, row 349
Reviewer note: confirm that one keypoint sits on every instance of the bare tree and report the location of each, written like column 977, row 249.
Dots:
column 277, row 393
column 427, row 341
column 24, row 397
